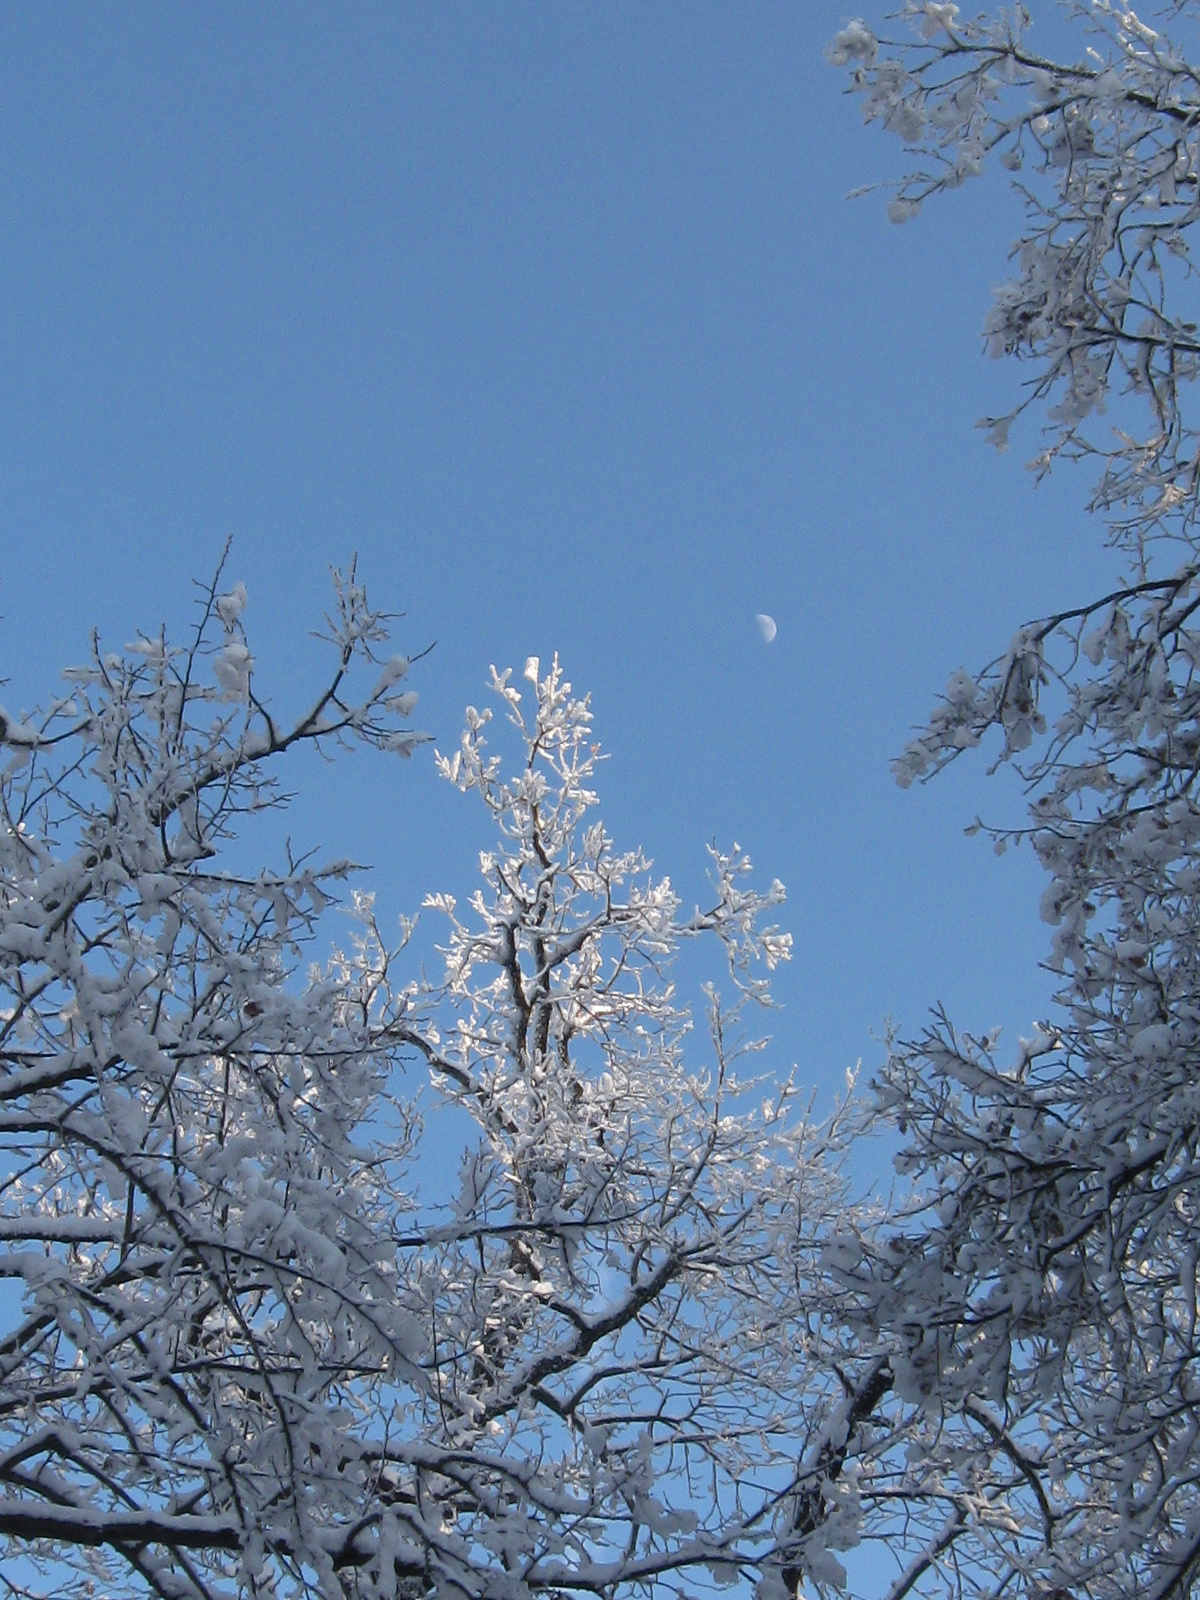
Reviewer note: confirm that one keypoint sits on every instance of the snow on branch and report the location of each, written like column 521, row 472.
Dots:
column 1105, row 153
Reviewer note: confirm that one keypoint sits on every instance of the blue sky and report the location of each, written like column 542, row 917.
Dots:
column 560, row 318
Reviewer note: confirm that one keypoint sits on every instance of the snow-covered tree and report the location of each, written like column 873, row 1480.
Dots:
column 195, row 1247
column 243, row 1355
column 1038, row 1305
column 632, row 1384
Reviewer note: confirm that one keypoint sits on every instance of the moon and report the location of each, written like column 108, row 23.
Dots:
column 766, row 626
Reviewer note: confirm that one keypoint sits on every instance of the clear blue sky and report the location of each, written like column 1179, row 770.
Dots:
column 559, row 317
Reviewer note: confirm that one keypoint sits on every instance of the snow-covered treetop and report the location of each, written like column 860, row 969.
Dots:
column 632, row 1356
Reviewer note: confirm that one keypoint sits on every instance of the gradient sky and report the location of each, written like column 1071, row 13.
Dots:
column 560, row 319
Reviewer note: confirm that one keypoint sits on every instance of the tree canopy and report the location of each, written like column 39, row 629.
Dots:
column 251, row 1357
column 646, row 1340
